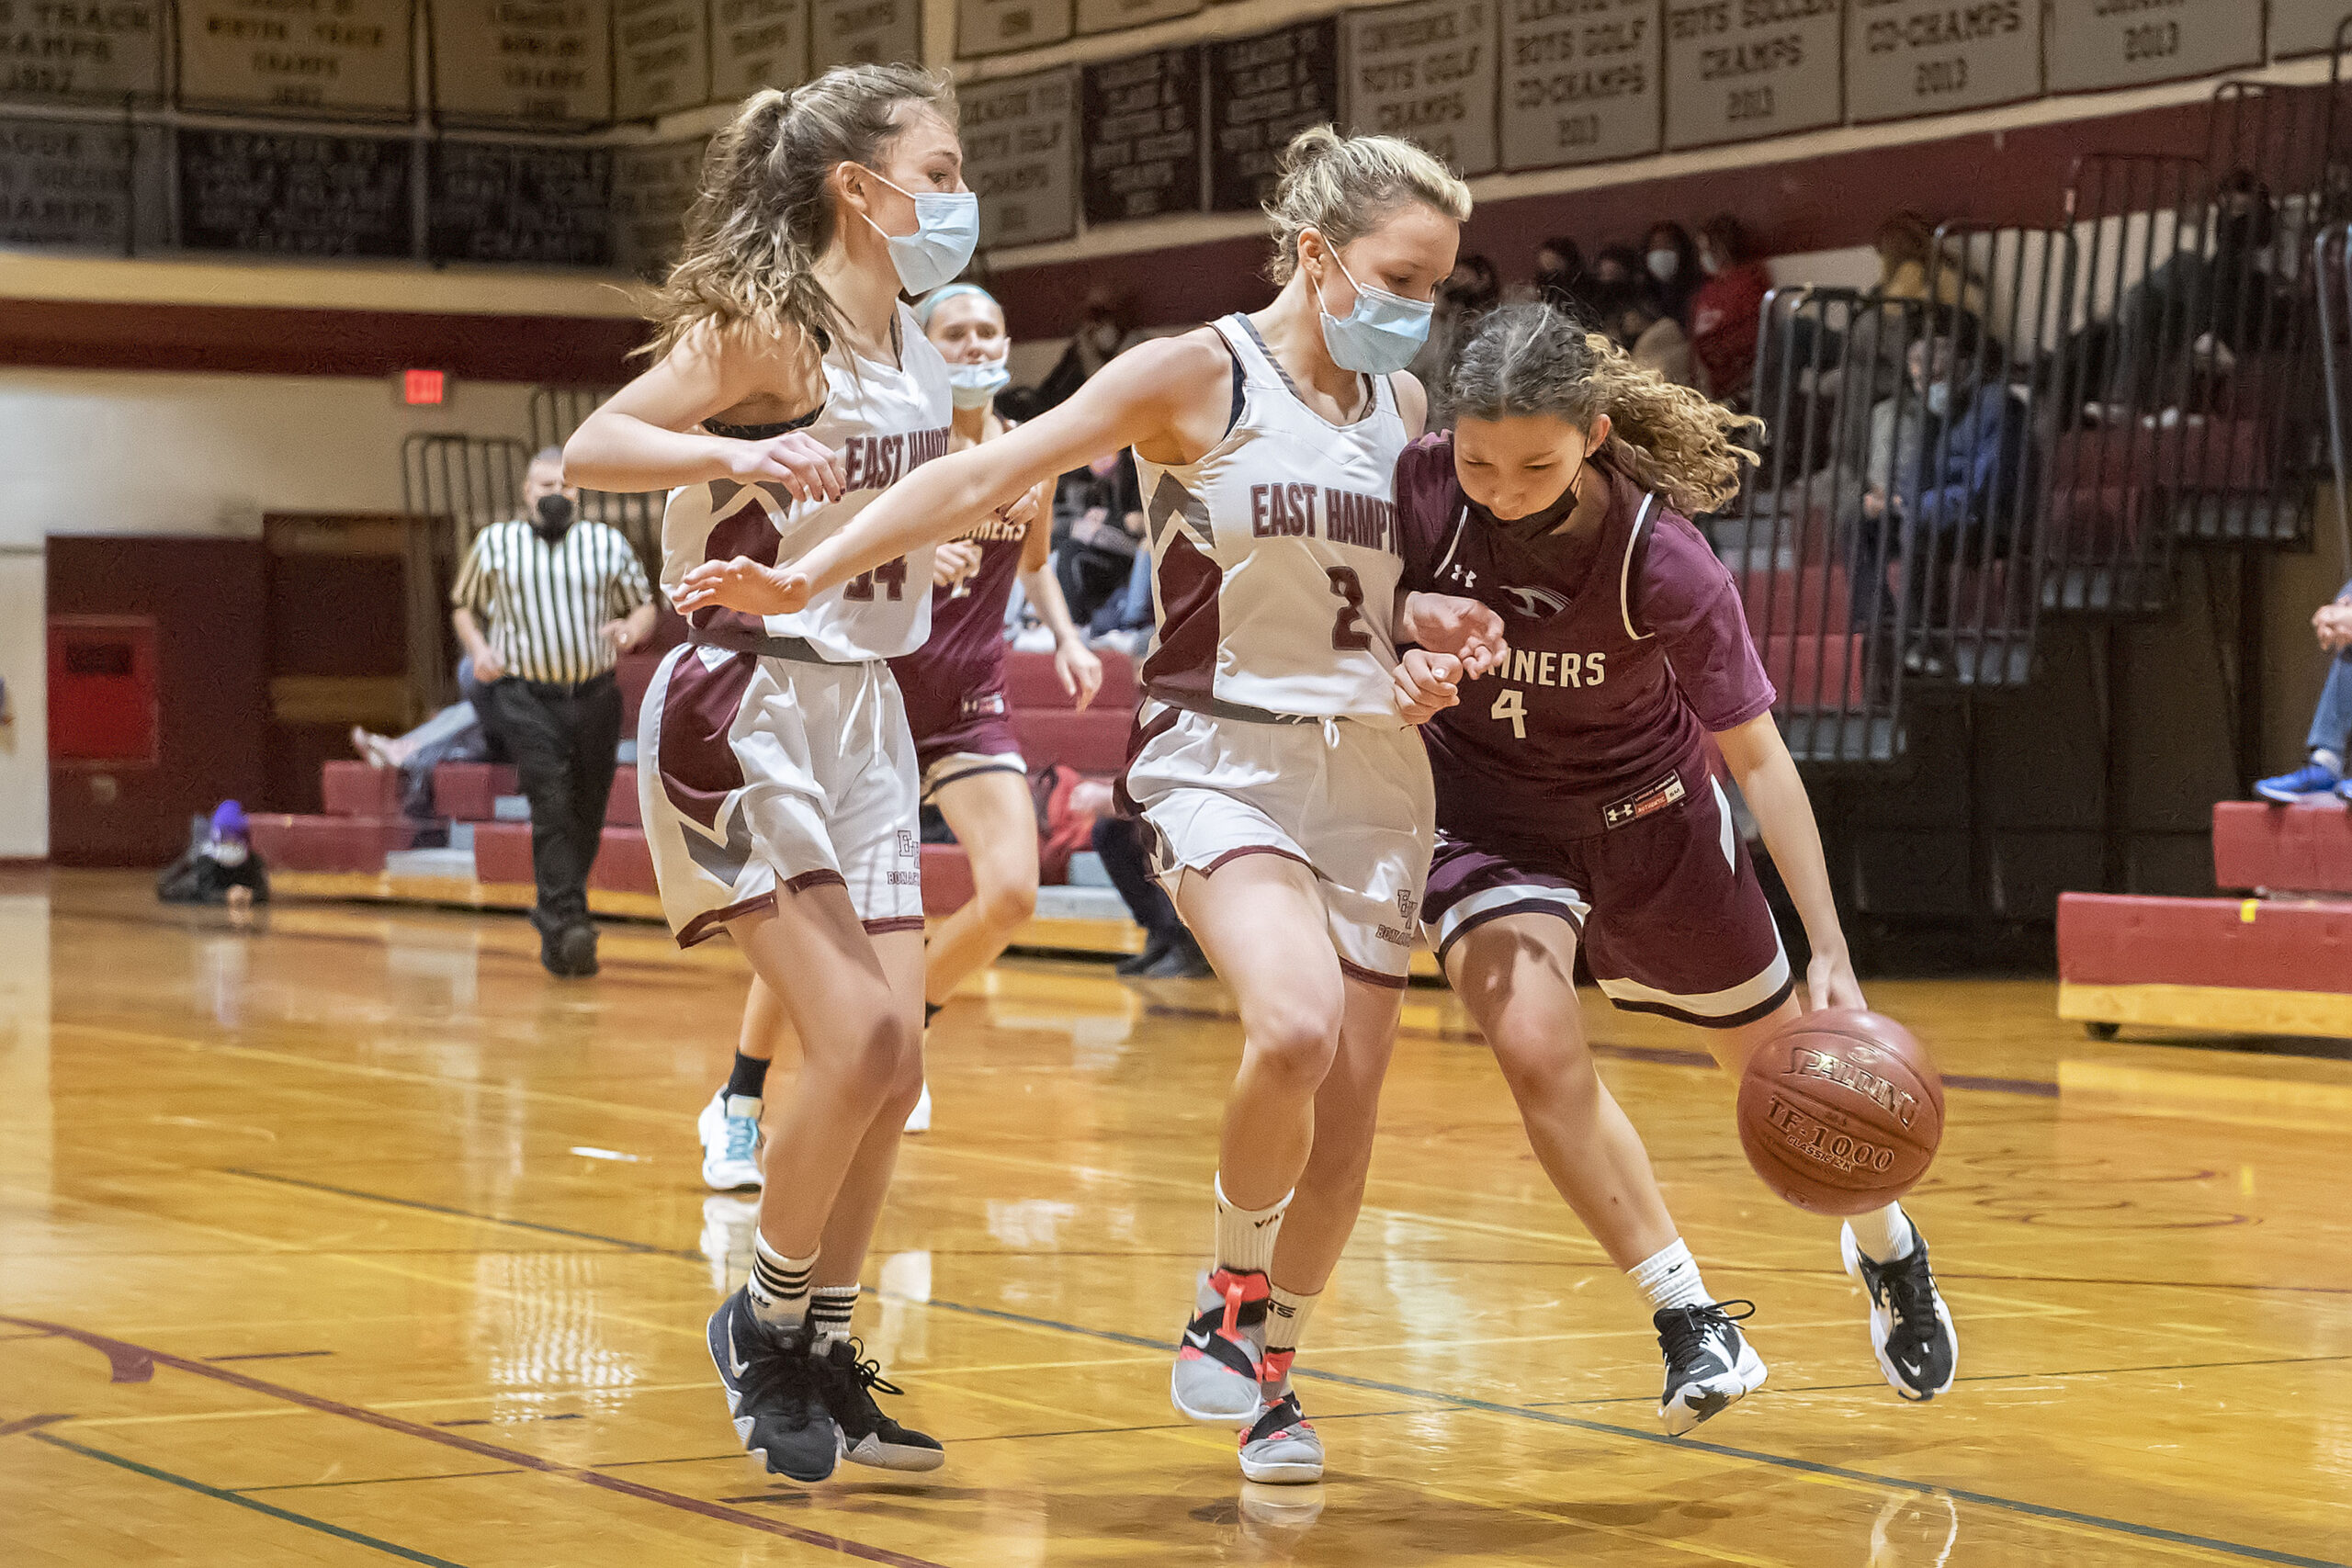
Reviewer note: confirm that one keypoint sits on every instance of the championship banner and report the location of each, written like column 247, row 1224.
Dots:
column 322, row 57
column 993, row 27
column 2127, row 43
column 530, row 205
column 863, row 32
column 285, row 194
column 756, row 44
column 1020, row 139
column 1142, row 146
column 521, row 62
column 1580, row 81
column 661, row 56
column 73, row 185
column 652, row 186
column 81, row 50
column 2304, row 27
column 1426, row 72
column 1110, row 16
column 1262, row 91
column 1742, row 70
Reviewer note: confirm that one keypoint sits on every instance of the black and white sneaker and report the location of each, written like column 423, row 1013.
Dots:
column 775, row 1392
column 868, row 1437
column 1710, row 1366
column 1911, row 1329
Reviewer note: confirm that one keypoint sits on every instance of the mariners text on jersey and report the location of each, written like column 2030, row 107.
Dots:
column 1290, row 511
column 1523, row 668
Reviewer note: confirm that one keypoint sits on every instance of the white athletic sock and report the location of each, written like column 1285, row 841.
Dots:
column 1287, row 1315
column 830, row 1308
column 778, row 1289
column 2328, row 759
column 1669, row 1277
column 1244, row 1238
column 1884, row 1234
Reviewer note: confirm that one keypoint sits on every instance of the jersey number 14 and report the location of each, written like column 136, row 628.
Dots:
column 891, row 575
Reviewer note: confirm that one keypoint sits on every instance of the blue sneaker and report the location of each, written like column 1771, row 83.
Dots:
column 2344, row 791
column 2311, row 779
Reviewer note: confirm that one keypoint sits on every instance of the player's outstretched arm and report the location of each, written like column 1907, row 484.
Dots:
column 1138, row 398
column 1768, row 777
column 643, row 438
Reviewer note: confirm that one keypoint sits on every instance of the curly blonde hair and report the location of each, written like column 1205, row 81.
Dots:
column 765, row 213
column 1536, row 359
column 1345, row 186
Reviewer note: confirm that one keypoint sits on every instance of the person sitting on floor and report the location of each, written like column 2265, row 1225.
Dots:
column 2322, row 777
column 219, row 867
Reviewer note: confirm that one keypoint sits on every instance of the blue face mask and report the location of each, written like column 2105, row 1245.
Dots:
column 1381, row 334
column 947, row 230
column 973, row 385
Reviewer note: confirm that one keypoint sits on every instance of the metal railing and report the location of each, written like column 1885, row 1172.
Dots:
column 556, row 413
column 2332, row 274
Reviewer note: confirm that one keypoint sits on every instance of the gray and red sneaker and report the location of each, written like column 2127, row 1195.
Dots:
column 1223, row 1350
column 1281, row 1447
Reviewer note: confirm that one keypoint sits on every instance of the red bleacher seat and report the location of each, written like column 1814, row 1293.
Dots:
column 2216, row 455
column 503, row 852
column 2092, row 524
column 352, row 844
column 946, row 879
column 620, row 806
column 1804, row 670
column 1812, row 599
column 1030, row 681
column 1094, row 741
column 2300, row 849
column 624, row 863
column 360, row 789
column 2116, row 940
column 465, row 791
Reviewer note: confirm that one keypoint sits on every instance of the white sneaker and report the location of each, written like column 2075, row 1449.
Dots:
column 919, row 1119
column 1911, row 1329
column 1709, row 1364
column 729, row 1223
column 731, row 1142
column 1281, row 1447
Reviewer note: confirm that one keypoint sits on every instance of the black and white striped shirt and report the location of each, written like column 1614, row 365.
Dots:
column 539, row 604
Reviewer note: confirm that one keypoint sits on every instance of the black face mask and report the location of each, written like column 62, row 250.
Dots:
column 555, row 517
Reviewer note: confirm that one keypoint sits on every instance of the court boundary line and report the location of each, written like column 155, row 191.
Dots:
column 119, row 1353
column 219, row 1495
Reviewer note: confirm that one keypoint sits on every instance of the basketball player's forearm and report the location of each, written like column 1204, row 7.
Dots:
column 1053, row 609
column 620, row 452
column 929, row 506
column 1783, row 813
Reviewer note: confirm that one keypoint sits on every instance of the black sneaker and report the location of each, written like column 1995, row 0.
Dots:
column 774, row 1391
column 868, row 1437
column 1911, row 1329
column 1709, row 1364
column 577, row 945
column 1154, row 949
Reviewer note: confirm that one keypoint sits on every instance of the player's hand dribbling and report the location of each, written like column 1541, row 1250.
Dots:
column 796, row 463
column 1425, row 683
column 1463, row 627
column 742, row 584
column 1830, row 982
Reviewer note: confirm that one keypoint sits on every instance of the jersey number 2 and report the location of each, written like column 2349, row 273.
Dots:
column 891, row 575
column 1346, row 634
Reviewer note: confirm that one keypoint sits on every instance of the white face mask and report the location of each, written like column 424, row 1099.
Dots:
column 1663, row 264
column 947, row 230
column 1938, row 398
column 1381, row 334
column 975, row 385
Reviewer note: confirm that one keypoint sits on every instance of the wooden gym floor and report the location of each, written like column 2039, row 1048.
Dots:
column 351, row 1239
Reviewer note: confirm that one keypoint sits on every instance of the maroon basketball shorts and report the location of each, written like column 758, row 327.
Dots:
column 1668, row 907
column 975, row 736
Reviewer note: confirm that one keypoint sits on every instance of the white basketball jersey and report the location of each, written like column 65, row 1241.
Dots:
column 1275, row 556
column 883, row 421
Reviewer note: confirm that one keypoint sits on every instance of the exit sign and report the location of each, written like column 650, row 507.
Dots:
column 424, row 389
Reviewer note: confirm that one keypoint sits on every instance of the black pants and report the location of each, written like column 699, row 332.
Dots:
column 562, row 740
column 1119, row 840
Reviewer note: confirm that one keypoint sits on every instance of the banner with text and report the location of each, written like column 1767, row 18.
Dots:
column 2304, row 27
column 652, row 186
column 333, row 58
column 992, row 26
column 1264, row 90
column 531, row 206
column 1142, row 140
column 2123, row 43
column 1738, row 70
column 1021, row 154
column 756, row 44
column 1425, row 70
column 1580, row 82
column 522, row 62
column 863, row 32
column 81, row 50
column 1907, row 58
column 661, row 56
column 1110, row 16
column 77, row 186
column 287, row 194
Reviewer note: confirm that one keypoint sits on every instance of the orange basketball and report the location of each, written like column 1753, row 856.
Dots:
column 1841, row 1112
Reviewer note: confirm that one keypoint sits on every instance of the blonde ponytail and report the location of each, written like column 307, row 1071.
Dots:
column 1345, row 186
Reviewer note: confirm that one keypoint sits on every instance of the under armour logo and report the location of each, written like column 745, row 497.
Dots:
column 1464, row 576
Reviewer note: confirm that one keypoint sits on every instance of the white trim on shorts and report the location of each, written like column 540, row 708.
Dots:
column 970, row 764
column 1743, row 998
column 1494, row 903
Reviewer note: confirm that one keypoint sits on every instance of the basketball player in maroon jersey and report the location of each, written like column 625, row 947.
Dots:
column 1575, row 800
column 969, row 759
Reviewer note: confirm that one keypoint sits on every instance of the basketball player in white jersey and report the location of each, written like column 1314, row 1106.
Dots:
column 1289, row 805
column 776, row 773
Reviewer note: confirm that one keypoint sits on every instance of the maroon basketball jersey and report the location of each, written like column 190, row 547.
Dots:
column 1628, row 649
column 958, row 672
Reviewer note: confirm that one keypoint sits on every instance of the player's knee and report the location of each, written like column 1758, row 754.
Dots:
column 882, row 1055
column 1005, row 906
column 1294, row 1044
column 1544, row 1057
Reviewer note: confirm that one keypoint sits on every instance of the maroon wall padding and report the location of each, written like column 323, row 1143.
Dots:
column 1030, row 681
column 359, row 789
column 620, row 806
column 2113, row 940
column 331, row 844
column 212, row 698
column 1094, row 741
column 468, row 792
column 946, row 879
column 1805, row 204
column 111, row 335
column 624, row 863
column 2298, row 849
column 503, row 852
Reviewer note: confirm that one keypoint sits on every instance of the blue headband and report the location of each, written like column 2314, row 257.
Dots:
column 944, row 292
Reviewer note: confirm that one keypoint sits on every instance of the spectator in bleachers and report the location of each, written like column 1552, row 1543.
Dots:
column 2194, row 313
column 1671, row 258
column 2322, row 773
column 1560, row 277
column 1649, row 334
column 1728, row 312
column 1957, row 445
column 1463, row 301
column 452, row 735
column 1616, row 268
column 1097, row 532
column 1102, row 332
column 545, row 604
column 1907, row 256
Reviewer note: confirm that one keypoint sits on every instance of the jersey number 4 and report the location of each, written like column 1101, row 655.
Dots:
column 891, row 575
column 1511, row 702
column 1347, row 634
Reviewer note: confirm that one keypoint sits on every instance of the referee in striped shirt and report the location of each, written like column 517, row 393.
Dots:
column 544, row 606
